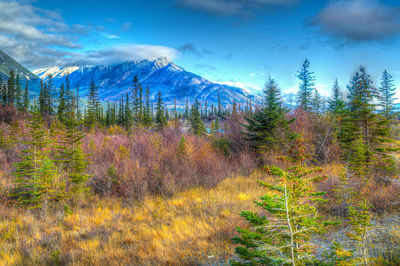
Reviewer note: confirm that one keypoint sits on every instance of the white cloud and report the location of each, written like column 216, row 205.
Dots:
column 121, row 53
column 359, row 20
column 233, row 7
column 40, row 38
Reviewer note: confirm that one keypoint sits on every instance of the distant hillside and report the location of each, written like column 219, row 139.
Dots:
column 161, row 74
column 7, row 64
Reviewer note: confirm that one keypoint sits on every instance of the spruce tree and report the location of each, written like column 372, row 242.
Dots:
column 37, row 183
column 387, row 92
column 363, row 132
column 62, row 104
column 196, row 123
column 306, row 88
column 316, row 102
column 93, row 106
column 72, row 158
column 268, row 128
column 18, row 94
column 336, row 103
column 160, row 120
column 11, row 89
column 26, row 99
column 283, row 236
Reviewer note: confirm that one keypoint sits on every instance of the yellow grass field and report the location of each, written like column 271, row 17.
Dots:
column 192, row 227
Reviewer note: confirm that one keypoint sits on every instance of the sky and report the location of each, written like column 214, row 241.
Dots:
column 238, row 42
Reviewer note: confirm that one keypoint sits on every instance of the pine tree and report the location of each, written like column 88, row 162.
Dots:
column 11, row 89
column 36, row 179
column 283, row 236
column 93, row 106
column 307, row 83
column 316, row 103
column 268, row 128
column 196, row 123
column 62, row 104
column 72, row 158
column 161, row 121
column 135, row 100
column 26, row 99
column 18, row 94
column 363, row 132
column 219, row 106
column 360, row 222
column 128, row 114
column 387, row 92
column 148, row 117
column 186, row 114
column 336, row 104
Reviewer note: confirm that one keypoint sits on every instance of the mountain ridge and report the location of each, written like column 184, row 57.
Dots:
column 160, row 74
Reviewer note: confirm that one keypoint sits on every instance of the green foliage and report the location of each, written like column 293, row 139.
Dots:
column 387, row 93
column 268, row 128
column 223, row 145
column 37, row 183
column 72, row 158
column 196, row 123
column 306, row 87
column 360, row 222
column 363, row 133
column 92, row 115
column 160, row 120
column 283, row 235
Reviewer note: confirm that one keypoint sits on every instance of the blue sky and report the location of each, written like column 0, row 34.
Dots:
column 234, row 41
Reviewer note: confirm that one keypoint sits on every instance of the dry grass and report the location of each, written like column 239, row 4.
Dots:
column 195, row 226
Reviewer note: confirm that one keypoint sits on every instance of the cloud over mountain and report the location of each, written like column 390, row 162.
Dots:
column 39, row 38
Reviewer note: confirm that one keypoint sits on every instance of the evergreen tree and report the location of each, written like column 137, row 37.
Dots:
column 387, row 92
column 128, row 114
column 62, row 104
column 36, row 180
column 135, row 100
column 219, row 106
column 268, row 128
column 148, row 117
column 283, row 236
column 93, row 106
column 3, row 92
column 72, row 157
column 360, row 222
column 363, row 132
column 161, row 121
column 26, row 99
column 317, row 102
column 196, row 123
column 186, row 114
column 18, row 94
column 77, row 107
column 11, row 89
column 336, row 104
column 307, row 83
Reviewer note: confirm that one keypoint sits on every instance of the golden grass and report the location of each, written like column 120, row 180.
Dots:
column 195, row 226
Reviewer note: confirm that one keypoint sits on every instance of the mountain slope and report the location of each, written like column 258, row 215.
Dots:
column 161, row 74
column 7, row 64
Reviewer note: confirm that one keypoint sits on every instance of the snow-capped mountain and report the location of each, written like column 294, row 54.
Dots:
column 160, row 74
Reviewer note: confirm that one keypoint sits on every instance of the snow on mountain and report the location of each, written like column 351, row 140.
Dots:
column 161, row 74
column 55, row 72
